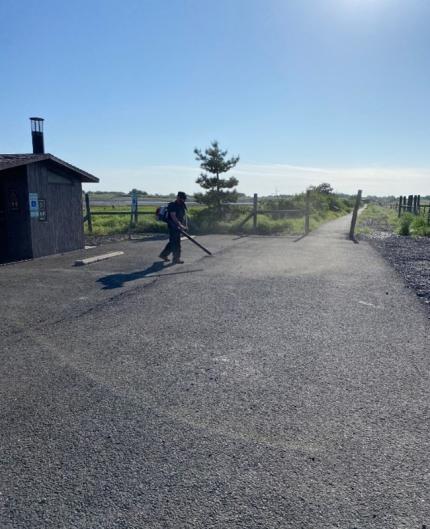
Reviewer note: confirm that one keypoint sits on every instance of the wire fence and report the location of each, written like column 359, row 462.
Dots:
column 262, row 215
column 134, row 207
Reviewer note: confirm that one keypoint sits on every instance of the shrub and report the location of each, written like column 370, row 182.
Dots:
column 405, row 224
column 419, row 226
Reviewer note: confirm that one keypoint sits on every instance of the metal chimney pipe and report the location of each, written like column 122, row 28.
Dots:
column 37, row 135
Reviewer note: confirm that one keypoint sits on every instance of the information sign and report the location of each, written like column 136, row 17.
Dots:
column 34, row 205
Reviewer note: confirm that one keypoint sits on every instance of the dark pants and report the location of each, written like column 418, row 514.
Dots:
column 174, row 244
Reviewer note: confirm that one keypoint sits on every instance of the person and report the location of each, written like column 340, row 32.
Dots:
column 176, row 212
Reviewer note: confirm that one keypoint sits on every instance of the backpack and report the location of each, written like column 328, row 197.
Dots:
column 162, row 214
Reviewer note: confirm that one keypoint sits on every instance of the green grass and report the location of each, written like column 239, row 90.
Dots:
column 404, row 224
column 119, row 224
column 379, row 218
column 420, row 226
column 265, row 226
column 203, row 220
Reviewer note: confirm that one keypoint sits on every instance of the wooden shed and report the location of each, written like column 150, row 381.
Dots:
column 40, row 204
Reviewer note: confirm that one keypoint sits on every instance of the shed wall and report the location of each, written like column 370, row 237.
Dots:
column 62, row 230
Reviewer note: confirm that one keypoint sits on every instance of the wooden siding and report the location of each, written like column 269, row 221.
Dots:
column 63, row 230
column 15, row 236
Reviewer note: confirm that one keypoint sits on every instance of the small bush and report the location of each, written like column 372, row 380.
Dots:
column 419, row 226
column 405, row 224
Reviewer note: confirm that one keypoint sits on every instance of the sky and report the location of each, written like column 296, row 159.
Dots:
column 305, row 91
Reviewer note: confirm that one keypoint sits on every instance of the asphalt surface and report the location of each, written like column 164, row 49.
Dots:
column 278, row 384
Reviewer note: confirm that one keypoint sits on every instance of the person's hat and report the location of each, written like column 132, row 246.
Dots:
column 182, row 195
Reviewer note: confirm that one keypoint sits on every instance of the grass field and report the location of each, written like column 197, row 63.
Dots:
column 203, row 220
column 379, row 218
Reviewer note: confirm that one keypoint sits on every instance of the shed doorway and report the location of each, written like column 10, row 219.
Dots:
column 3, row 227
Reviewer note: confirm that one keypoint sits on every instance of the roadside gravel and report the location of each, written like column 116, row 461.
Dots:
column 410, row 256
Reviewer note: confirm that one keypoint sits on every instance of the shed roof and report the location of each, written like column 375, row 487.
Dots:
column 7, row 161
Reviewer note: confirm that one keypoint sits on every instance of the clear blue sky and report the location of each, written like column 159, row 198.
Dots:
column 304, row 90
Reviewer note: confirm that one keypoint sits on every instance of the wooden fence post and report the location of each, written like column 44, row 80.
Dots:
column 410, row 200
column 254, row 212
column 307, row 211
column 354, row 216
column 89, row 218
column 133, row 210
column 415, row 204
column 400, row 205
column 136, row 211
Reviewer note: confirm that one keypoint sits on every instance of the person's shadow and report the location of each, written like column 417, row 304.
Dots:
column 117, row 280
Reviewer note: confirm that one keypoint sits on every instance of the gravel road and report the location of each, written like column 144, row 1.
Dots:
column 410, row 256
column 278, row 384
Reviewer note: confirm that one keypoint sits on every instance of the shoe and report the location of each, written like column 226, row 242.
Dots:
column 164, row 258
column 177, row 261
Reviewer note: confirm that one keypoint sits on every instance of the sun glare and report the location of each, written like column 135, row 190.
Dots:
column 355, row 7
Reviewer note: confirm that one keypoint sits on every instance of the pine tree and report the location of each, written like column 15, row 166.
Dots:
column 214, row 162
